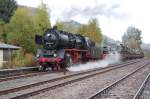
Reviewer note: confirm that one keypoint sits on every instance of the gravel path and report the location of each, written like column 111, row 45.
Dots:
column 84, row 88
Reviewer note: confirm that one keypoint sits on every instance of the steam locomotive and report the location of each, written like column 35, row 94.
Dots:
column 62, row 49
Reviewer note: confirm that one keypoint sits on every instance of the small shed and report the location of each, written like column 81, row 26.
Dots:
column 6, row 51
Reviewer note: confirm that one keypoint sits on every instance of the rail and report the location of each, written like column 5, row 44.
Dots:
column 107, row 88
column 137, row 95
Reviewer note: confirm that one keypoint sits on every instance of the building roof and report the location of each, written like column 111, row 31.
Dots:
column 7, row 46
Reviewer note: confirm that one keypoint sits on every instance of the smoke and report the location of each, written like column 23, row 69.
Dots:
column 110, row 59
column 101, row 9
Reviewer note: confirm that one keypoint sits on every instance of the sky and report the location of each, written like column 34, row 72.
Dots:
column 114, row 16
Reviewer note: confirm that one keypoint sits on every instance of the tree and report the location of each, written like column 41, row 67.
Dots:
column 92, row 30
column 2, row 34
column 66, row 26
column 132, row 37
column 105, row 41
column 21, row 30
column 41, row 19
column 60, row 25
column 132, row 43
column 7, row 7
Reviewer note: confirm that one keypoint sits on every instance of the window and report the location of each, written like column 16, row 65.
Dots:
column 6, row 55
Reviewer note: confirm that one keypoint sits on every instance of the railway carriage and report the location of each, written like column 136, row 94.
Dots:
column 127, row 53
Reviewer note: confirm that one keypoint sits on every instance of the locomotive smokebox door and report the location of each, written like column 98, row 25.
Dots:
column 38, row 39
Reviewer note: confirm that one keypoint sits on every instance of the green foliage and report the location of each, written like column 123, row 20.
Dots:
column 2, row 32
column 92, row 30
column 105, row 41
column 66, row 26
column 60, row 25
column 132, row 37
column 69, row 27
column 41, row 19
column 20, row 59
column 21, row 30
column 2, row 23
column 23, row 59
column 23, row 26
column 7, row 8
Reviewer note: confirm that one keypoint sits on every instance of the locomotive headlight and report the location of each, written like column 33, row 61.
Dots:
column 55, row 55
column 37, row 55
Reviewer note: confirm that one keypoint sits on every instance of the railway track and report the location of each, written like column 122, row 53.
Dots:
column 11, row 72
column 65, row 80
column 107, row 92
column 25, row 74
column 144, row 89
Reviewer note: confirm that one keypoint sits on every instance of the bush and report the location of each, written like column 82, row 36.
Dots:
column 19, row 59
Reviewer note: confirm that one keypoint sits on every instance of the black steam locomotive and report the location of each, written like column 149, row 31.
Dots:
column 55, row 39
column 62, row 49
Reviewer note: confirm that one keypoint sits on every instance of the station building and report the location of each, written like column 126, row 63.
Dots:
column 6, row 51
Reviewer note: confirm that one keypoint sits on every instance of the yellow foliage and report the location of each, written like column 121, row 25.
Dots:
column 92, row 30
column 132, row 43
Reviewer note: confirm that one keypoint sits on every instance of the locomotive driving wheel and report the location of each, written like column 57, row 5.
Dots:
column 42, row 68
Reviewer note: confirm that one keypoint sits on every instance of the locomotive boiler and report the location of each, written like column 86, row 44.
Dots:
column 55, row 39
column 62, row 49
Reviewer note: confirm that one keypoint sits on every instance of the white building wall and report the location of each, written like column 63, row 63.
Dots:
column 1, row 58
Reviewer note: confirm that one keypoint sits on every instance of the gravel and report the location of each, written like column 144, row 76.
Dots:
column 25, row 81
column 85, row 88
column 146, row 92
column 128, row 88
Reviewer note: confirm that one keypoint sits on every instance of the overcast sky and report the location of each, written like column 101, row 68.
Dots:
column 114, row 16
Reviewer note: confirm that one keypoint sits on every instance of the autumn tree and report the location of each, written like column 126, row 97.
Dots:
column 66, row 26
column 132, row 37
column 92, row 30
column 21, row 30
column 60, row 25
column 41, row 19
column 132, row 43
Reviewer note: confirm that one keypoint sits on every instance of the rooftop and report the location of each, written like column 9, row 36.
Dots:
column 7, row 46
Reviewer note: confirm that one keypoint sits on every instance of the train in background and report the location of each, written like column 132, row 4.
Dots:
column 62, row 49
column 127, row 53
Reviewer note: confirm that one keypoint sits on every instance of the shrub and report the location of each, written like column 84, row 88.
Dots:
column 19, row 59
